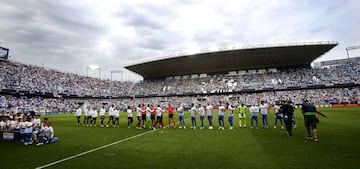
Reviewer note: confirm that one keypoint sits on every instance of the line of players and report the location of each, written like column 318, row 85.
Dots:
column 152, row 117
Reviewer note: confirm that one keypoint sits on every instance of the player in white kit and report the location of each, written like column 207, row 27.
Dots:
column 138, row 115
column 193, row 115
column 221, row 114
column 102, row 116
column 254, row 110
column 209, row 109
column 130, row 116
column 94, row 115
column 78, row 114
column 180, row 111
column 230, row 116
column 278, row 116
column 202, row 115
column 264, row 114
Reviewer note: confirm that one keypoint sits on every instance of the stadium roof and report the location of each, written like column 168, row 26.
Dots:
column 246, row 58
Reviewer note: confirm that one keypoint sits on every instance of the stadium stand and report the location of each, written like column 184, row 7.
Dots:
column 284, row 79
column 34, row 79
column 21, row 77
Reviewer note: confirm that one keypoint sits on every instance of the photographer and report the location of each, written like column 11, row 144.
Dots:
column 309, row 111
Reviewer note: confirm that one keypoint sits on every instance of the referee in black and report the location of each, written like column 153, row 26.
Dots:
column 309, row 111
column 288, row 112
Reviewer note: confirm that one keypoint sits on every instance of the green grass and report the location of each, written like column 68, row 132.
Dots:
column 178, row 148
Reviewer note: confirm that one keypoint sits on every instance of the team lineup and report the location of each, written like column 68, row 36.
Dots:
column 151, row 117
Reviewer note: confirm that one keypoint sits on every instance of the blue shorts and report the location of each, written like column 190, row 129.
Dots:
column 221, row 118
column 193, row 118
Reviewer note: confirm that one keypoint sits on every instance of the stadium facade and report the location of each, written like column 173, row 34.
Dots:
column 237, row 60
column 355, row 60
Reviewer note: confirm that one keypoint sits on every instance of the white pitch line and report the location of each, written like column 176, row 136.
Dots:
column 96, row 149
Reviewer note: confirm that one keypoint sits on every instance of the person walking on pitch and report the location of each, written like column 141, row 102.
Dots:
column 287, row 111
column 309, row 111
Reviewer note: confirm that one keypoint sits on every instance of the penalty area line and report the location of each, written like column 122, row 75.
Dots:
column 98, row 148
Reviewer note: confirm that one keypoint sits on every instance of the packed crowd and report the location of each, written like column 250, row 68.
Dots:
column 24, row 77
column 38, row 79
column 9, row 103
column 301, row 77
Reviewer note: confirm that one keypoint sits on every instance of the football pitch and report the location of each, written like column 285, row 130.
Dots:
column 85, row 147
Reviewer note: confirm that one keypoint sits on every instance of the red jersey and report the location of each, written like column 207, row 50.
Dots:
column 143, row 110
column 152, row 111
column 170, row 110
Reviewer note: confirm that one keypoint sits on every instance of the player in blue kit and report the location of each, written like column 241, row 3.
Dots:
column 221, row 116
column 231, row 115
column 209, row 109
column 180, row 110
column 193, row 115
column 264, row 114
column 202, row 115
column 254, row 110
column 278, row 116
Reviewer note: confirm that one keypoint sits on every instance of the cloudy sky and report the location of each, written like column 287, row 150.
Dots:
column 69, row 35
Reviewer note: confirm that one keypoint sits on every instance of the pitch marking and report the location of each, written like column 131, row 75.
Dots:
column 96, row 149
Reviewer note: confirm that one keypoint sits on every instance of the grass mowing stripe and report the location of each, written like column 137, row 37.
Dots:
column 98, row 148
